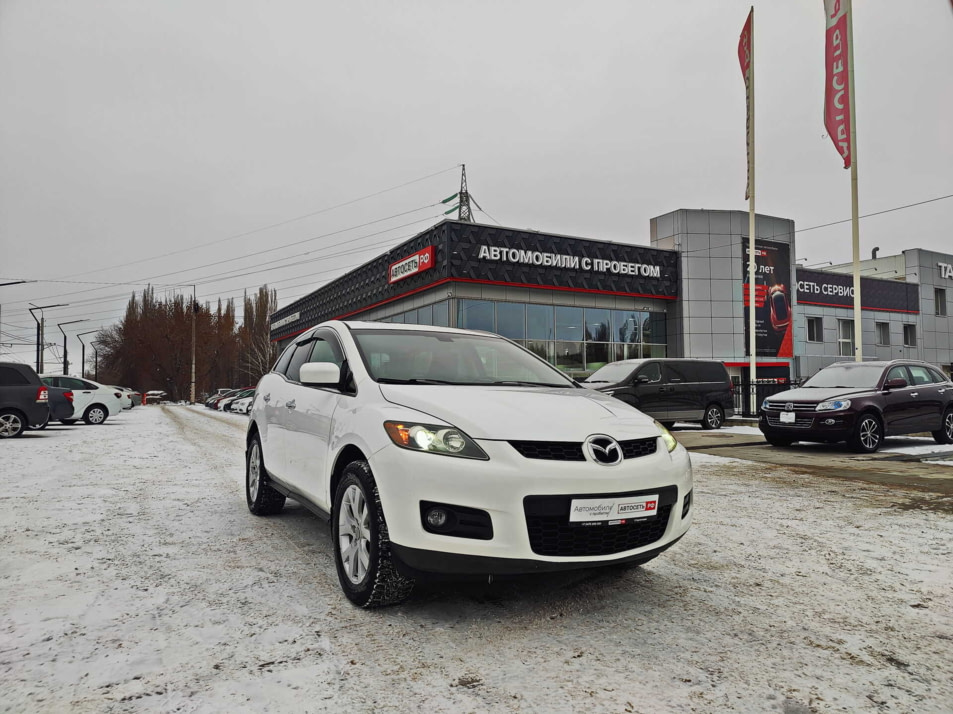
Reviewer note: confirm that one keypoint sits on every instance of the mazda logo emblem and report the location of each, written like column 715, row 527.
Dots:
column 604, row 450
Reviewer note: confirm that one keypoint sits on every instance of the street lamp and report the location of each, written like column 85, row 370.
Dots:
column 60, row 325
column 79, row 337
column 93, row 344
column 40, row 325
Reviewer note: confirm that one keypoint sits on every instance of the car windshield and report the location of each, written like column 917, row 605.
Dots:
column 861, row 376
column 432, row 357
column 613, row 372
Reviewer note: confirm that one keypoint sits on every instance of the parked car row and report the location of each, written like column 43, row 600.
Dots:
column 232, row 400
column 32, row 401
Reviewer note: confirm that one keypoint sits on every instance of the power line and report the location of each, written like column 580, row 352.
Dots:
column 273, row 225
column 877, row 213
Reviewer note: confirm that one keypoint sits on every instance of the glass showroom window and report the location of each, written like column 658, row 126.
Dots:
column 626, row 326
column 909, row 335
column 845, row 338
column 410, row 317
column 475, row 315
column 654, row 335
column 883, row 333
column 815, row 329
column 939, row 297
column 539, row 322
column 569, row 356
column 511, row 320
column 597, row 325
column 597, row 355
column 541, row 348
column 425, row 315
column 441, row 313
column 569, row 323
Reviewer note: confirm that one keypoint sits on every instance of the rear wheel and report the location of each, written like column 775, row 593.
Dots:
column 714, row 417
column 43, row 425
column 779, row 440
column 96, row 414
column 868, row 434
column 12, row 424
column 362, row 555
column 262, row 499
column 944, row 435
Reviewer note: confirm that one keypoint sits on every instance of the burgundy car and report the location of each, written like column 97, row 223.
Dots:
column 861, row 403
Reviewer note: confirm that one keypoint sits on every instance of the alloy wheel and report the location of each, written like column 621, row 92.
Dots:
column 714, row 417
column 10, row 425
column 869, row 433
column 948, row 425
column 254, row 471
column 354, row 534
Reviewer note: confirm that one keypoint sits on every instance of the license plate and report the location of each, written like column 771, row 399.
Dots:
column 612, row 511
column 787, row 417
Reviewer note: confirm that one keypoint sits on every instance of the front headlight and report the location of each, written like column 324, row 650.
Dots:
column 834, row 405
column 433, row 439
column 764, row 405
column 667, row 437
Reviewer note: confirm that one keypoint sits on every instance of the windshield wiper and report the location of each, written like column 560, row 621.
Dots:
column 391, row 380
column 518, row 383
column 597, row 381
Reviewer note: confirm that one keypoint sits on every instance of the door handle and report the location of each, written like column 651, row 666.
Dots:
column 915, row 394
column 267, row 397
column 291, row 404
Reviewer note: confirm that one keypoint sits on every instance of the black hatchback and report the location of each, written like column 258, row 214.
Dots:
column 861, row 403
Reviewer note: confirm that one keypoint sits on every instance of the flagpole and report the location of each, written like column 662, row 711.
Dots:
column 752, row 322
column 854, row 213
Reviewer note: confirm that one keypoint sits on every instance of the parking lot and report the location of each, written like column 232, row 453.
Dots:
column 133, row 578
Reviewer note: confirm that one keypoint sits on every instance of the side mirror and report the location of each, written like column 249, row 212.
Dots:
column 897, row 383
column 320, row 374
column 642, row 379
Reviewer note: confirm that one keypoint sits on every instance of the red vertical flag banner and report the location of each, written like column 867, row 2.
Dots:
column 744, row 57
column 836, row 90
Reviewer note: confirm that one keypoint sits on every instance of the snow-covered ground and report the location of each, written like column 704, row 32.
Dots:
column 132, row 578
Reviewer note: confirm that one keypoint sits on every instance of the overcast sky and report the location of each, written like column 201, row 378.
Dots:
column 135, row 134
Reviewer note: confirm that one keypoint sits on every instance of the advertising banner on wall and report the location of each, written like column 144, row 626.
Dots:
column 816, row 287
column 772, row 296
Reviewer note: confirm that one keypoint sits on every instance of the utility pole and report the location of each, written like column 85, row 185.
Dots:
column 83, row 351
column 40, row 323
column 195, row 306
column 65, row 360
column 464, row 213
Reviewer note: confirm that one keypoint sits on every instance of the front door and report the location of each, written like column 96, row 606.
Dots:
column 652, row 391
column 900, row 406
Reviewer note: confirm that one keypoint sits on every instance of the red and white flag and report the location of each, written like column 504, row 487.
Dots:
column 745, row 58
column 836, row 82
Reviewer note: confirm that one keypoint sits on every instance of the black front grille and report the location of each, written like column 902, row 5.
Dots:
column 550, row 450
column 800, row 422
column 547, row 522
column 572, row 450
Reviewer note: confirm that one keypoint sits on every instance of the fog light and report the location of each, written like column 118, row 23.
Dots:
column 830, row 422
column 436, row 518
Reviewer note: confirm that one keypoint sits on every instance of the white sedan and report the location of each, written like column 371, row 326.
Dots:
column 437, row 450
column 92, row 401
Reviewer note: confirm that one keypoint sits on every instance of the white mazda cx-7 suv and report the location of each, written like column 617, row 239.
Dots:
column 438, row 450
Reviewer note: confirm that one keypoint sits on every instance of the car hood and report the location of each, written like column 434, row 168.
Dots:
column 817, row 395
column 527, row 413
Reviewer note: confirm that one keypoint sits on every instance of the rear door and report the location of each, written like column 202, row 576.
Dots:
column 929, row 401
column 83, row 393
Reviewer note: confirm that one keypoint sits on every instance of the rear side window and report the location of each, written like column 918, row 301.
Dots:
column 677, row 372
column 11, row 377
column 712, row 372
column 921, row 375
column 937, row 377
column 72, row 383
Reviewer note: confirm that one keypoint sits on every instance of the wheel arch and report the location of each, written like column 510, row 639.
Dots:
column 345, row 456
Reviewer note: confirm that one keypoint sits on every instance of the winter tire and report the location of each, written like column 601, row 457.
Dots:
column 262, row 499
column 12, row 424
column 714, row 417
column 779, row 440
column 40, row 427
column 96, row 414
column 361, row 544
column 944, row 435
column 868, row 434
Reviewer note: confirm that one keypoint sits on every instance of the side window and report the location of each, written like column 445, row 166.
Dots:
column 10, row 377
column 899, row 372
column 282, row 364
column 87, row 385
column 652, row 371
column 301, row 354
column 713, row 372
column 676, row 372
column 921, row 375
column 48, row 381
column 72, row 383
column 939, row 378
column 691, row 371
column 327, row 349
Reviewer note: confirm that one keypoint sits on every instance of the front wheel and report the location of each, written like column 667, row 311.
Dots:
column 944, row 435
column 714, row 417
column 868, row 433
column 361, row 544
column 96, row 414
column 262, row 499
column 12, row 424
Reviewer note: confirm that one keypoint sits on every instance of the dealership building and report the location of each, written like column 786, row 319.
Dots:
column 582, row 302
